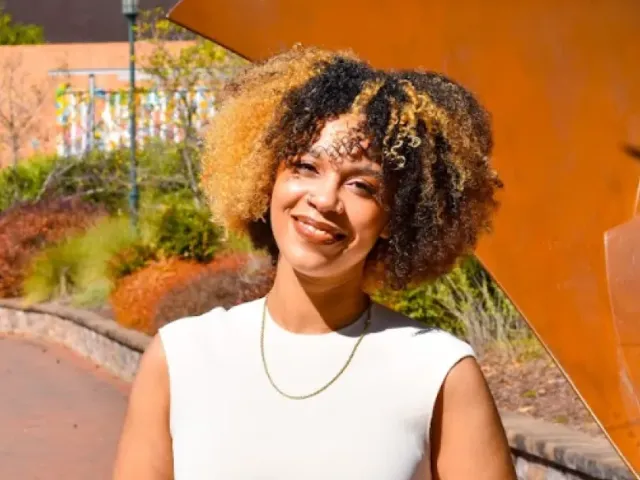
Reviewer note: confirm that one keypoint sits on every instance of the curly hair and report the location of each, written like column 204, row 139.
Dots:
column 430, row 135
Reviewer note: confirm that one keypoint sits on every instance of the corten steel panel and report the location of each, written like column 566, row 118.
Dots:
column 562, row 80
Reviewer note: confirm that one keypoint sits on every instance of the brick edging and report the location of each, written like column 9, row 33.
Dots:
column 574, row 453
column 136, row 341
column 537, row 446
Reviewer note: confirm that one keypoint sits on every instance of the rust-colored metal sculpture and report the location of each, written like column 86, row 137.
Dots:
column 562, row 80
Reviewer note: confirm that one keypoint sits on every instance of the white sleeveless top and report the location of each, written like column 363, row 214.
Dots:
column 228, row 423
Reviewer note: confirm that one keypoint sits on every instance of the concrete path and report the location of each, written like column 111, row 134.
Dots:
column 60, row 415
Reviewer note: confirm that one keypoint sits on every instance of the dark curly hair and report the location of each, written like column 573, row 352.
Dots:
column 430, row 135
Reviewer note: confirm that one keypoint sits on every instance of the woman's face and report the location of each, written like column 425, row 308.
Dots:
column 326, row 212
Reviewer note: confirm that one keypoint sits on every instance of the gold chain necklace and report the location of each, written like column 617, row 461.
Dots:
column 367, row 322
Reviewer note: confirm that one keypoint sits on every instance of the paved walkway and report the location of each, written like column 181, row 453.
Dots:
column 60, row 415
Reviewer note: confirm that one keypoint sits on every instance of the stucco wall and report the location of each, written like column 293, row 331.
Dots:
column 47, row 67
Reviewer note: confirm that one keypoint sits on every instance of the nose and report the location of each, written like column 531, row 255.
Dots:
column 325, row 197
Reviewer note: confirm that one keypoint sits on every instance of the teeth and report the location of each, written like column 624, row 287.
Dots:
column 317, row 231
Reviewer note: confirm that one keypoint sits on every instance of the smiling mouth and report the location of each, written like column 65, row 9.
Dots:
column 317, row 232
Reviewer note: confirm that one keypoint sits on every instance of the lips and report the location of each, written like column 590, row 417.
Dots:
column 317, row 231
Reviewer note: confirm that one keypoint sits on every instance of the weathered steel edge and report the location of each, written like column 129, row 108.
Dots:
column 554, row 445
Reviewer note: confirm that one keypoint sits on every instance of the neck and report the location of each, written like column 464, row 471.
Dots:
column 312, row 306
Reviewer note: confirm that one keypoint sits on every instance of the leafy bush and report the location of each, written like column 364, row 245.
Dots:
column 16, row 33
column 175, row 229
column 466, row 302
column 27, row 229
column 234, row 243
column 103, row 177
column 80, row 268
column 85, row 267
column 135, row 297
column 184, row 230
column 24, row 182
column 132, row 258
column 220, row 285
column 100, row 177
column 170, row 289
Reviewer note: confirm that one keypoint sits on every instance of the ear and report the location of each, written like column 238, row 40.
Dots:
column 385, row 232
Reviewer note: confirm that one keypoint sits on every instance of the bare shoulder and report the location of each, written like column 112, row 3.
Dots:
column 144, row 451
column 466, row 378
column 153, row 373
column 153, row 360
column 467, row 436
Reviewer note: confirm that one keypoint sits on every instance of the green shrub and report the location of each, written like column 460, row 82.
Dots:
column 24, row 182
column 234, row 243
column 53, row 273
column 177, row 229
column 185, row 231
column 174, row 222
column 28, row 228
column 17, row 33
column 132, row 258
column 104, row 177
column 79, row 268
column 100, row 177
column 465, row 302
column 83, row 268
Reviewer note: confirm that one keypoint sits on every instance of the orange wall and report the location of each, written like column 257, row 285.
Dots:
column 37, row 62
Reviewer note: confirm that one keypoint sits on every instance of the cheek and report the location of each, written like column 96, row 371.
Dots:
column 368, row 223
column 286, row 193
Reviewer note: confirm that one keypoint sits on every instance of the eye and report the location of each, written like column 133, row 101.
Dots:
column 302, row 166
column 364, row 187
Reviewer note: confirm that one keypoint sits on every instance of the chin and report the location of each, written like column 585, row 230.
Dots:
column 309, row 262
column 316, row 259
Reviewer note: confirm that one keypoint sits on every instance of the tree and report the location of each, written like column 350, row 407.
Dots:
column 200, row 65
column 20, row 102
column 14, row 33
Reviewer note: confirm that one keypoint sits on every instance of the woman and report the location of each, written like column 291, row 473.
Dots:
column 351, row 178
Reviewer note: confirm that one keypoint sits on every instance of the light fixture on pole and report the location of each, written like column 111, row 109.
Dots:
column 130, row 11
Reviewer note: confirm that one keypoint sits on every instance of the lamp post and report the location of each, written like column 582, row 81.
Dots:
column 130, row 11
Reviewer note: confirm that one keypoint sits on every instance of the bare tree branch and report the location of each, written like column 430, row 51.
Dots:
column 20, row 102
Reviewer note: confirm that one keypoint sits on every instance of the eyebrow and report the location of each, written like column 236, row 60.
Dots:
column 320, row 152
column 366, row 170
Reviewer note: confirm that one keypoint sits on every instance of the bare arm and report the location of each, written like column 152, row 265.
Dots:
column 467, row 436
column 144, row 451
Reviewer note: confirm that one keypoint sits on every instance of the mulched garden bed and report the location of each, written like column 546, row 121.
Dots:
column 536, row 387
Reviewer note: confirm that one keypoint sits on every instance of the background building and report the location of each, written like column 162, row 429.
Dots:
column 78, row 21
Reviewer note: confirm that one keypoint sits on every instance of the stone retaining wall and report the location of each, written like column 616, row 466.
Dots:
column 541, row 451
column 115, row 348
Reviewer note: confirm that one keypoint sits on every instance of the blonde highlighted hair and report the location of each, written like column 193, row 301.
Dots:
column 430, row 134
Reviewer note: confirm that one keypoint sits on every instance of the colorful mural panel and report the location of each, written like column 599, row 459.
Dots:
column 101, row 121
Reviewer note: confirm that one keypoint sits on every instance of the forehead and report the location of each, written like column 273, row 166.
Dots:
column 343, row 139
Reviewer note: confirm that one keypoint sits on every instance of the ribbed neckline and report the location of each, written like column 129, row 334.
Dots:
column 353, row 330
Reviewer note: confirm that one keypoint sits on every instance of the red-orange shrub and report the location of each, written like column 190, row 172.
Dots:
column 171, row 289
column 135, row 297
column 27, row 229
column 223, row 284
